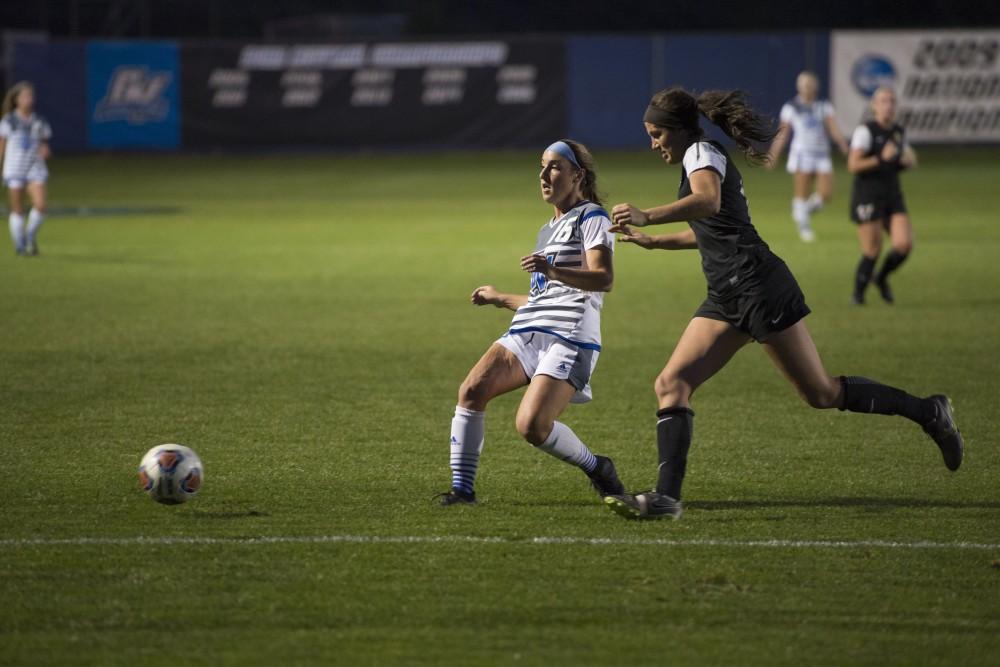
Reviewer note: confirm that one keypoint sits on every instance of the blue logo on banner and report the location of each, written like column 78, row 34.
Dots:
column 870, row 72
column 132, row 95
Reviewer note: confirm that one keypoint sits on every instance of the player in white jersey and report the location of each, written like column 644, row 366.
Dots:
column 554, row 339
column 24, row 148
column 810, row 122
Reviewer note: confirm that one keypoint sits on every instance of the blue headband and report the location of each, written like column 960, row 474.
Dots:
column 562, row 149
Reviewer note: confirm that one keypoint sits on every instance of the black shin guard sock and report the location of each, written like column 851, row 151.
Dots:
column 863, row 275
column 892, row 262
column 864, row 395
column 674, row 427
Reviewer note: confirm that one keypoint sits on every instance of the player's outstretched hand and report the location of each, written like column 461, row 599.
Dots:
column 485, row 295
column 536, row 264
column 629, row 235
column 627, row 214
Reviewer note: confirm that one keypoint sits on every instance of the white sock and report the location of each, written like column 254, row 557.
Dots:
column 16, row 221
column 815, row 202
column 35, row 219
column 800, row 213
column 466, row 444
column 563, row 444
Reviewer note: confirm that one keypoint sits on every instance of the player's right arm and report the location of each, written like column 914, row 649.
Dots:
column 778, row 145
column 488, row 295
column 860, row 144
column 678, row 241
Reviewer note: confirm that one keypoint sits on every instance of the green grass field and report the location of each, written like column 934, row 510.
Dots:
column 303, row 323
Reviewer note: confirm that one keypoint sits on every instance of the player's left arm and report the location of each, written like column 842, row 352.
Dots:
column 3, row 149
column 599, row 275
column 44, row 151
column 908, row 157
column 834, row 131
column 704, row 201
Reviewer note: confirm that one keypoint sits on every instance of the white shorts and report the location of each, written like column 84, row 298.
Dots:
column 809, row 163
column 545, row 354
column 36, row 173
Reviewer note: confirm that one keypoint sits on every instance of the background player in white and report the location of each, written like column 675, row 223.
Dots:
column 811, row 124
column 554, row 339
column 24, row 148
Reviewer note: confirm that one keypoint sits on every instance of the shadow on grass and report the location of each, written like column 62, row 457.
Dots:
column 227, row 514
column 865, row 502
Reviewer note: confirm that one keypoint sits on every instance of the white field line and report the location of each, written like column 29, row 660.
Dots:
column 7, row 543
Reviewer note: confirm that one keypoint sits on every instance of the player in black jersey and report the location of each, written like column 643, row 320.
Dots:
column 751, row 294
column 878, row 153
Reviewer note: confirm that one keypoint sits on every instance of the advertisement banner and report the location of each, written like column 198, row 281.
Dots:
column 436, row 94
column 947, row 81
column 133, row 95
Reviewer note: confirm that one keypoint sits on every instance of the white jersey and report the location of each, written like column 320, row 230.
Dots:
column 24, row 136
column 808, row 123
column 572, row 314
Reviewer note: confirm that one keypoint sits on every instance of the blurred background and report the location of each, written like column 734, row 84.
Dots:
column 198, row 75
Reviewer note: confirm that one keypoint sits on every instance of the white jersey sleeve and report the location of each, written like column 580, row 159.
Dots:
column 703, row 155
column 787, row 114
column 826, row 109
column 594, row 229
column 5, row 129
column 44, row 130
column 861, row 140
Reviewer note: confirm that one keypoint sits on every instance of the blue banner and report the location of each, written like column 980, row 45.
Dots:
column 58, row 72
column 133, row 98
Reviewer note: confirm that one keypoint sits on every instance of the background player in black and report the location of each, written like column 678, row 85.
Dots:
column 751, row 294
column 878, row 153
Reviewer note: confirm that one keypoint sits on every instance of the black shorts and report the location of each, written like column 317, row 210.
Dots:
column 769, row 303
column 871, row 207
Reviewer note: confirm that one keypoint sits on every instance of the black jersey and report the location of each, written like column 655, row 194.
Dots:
column 883, row 181
column 731, row 250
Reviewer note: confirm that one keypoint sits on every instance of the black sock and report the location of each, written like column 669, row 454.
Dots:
column 892, row 262
column 864, row 273
column 864, row 395
column 674, row 427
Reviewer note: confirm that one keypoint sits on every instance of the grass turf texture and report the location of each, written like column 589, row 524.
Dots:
column 303, row 323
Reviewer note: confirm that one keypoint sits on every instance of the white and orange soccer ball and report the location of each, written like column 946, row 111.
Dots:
column 171, row 474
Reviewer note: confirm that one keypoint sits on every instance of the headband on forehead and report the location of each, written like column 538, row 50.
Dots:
column 656, row 116
column 562, row 149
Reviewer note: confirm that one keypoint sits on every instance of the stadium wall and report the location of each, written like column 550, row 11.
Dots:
column 489, row 92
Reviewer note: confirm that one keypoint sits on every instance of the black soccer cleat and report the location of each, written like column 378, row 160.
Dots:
column 885, row 290
column 645, row 505
column 943, row 429
column 604, row 478
column 858, row 298
column 456, row 497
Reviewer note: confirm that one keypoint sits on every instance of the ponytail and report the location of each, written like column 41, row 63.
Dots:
column 731, row 113
column 588, row 186
column 676, row 108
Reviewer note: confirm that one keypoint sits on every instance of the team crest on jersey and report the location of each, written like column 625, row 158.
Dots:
column 135, row 94
column 539, row 281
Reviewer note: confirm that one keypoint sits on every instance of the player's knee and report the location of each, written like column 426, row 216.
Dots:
column 903, row 247
column 533, row 427
column 821, row 396
column 473, row 394
column 671, row 390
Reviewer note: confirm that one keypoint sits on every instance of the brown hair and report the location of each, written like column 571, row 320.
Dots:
column 588, row 186
column 10, row 99
column 729, row 110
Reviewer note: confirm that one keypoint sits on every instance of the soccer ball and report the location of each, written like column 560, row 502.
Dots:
column 171, row 474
